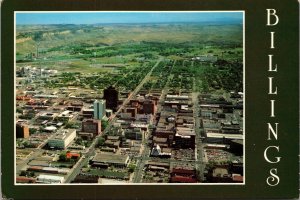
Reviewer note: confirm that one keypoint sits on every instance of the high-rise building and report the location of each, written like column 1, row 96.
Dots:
column 22, row 130
column 99, row 109
column 111, row 95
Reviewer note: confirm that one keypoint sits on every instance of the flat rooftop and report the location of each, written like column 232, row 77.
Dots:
column 110, row 158
column 62, row 134
column 227, row 136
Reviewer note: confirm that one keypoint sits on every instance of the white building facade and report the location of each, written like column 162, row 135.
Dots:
column 62, row 139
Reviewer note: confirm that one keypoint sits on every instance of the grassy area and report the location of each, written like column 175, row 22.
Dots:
column 62, row 164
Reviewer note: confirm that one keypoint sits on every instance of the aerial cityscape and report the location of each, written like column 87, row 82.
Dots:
column 129, row 98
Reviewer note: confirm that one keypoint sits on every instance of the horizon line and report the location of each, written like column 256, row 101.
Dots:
column 235, row 21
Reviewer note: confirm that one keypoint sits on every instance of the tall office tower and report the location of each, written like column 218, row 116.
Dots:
column 99, row 109
column 111, row 95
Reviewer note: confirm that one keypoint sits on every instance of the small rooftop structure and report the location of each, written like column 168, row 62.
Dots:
column 178, row 97
column 157, row 151
column 50, row 128
column 65, row 114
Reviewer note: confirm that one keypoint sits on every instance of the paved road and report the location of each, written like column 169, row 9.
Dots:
column 76, row 169
column 165, row 89
column 141, row 164
column 199, row 146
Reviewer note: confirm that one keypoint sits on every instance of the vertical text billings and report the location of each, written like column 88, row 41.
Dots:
column 273, row 179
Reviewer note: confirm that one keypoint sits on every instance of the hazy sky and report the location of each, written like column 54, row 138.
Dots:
column 126, row 17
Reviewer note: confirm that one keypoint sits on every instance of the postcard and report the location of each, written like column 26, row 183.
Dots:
column 152, row 99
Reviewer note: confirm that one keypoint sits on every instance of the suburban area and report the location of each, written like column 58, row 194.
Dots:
column 129, row 103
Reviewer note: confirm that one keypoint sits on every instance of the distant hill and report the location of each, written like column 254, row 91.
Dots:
column 51, row 36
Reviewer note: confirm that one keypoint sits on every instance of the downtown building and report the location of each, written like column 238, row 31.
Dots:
column 99, row 109
column 111, row 96
column 22, row 130
column 91, row 126
column 62, row 139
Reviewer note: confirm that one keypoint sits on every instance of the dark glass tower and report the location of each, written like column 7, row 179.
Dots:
column 111, row 95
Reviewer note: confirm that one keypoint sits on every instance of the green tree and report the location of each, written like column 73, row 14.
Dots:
column 104, row 124
column 72, row 125
column 32, row 131
column 101, row 141
column 31, row 174
column 19, row 110
column 63, row 156
column 26, row 144
column 79, row 141
column 131, row 168
column 23, row 173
